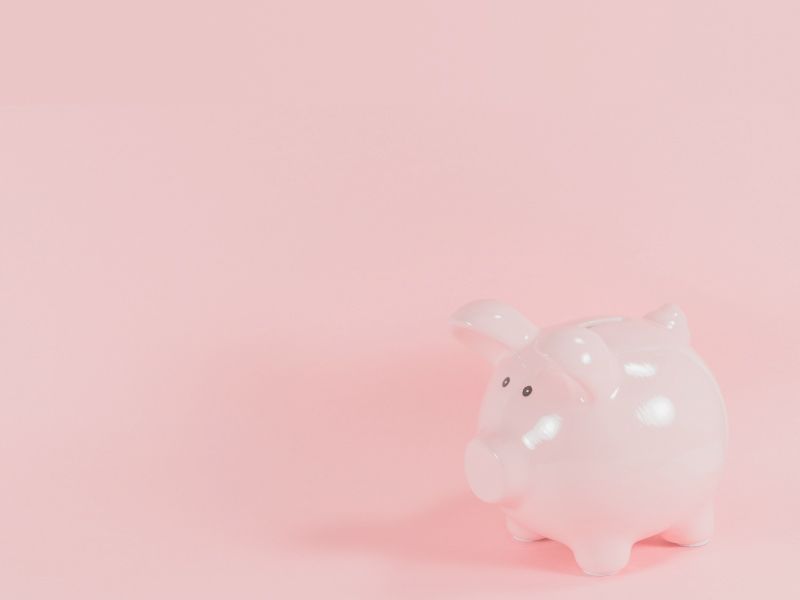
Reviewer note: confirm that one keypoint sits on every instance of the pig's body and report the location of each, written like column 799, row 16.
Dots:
column 598, row 433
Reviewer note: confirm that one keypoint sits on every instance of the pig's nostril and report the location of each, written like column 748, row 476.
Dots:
column 484, row 472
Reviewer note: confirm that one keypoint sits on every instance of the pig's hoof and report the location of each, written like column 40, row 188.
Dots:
column 590, row 574
column 527, row 540
column 602, row 558
column 694, row 531
column 521, row 534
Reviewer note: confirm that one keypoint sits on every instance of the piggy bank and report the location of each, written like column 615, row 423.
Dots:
column 596, row 433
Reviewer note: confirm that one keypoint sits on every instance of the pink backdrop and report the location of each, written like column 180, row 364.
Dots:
column 230, row 239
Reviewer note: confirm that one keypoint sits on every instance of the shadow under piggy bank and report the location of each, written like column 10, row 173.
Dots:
column 461, row 531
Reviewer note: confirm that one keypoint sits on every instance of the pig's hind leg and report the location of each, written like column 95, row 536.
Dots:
column 695, row 530
column 602, row 556
column 520, row 533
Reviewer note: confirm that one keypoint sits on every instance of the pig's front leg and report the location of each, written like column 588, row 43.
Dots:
column 696, row 530
column 602, row 556
column 520, row 533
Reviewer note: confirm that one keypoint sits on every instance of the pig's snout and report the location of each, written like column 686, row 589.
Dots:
column 485, row 471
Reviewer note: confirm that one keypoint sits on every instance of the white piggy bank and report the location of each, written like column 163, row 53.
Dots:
column 597, row 433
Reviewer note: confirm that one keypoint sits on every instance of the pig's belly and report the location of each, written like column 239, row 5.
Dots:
column 633, row 497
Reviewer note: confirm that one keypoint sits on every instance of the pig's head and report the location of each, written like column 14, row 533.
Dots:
column 542, row 379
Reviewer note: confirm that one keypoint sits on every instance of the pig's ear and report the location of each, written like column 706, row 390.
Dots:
column 492, row 328
column 585, row 357
column 672, row 318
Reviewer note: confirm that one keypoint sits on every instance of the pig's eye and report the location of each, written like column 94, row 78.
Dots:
column 526, row 391
column 506, row 381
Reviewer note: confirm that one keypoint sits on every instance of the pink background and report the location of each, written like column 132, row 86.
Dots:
column 231, row 235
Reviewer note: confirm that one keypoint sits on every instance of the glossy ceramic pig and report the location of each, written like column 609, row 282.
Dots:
column 596, row 433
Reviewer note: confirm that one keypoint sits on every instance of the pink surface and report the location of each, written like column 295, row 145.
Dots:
column 230, row 241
